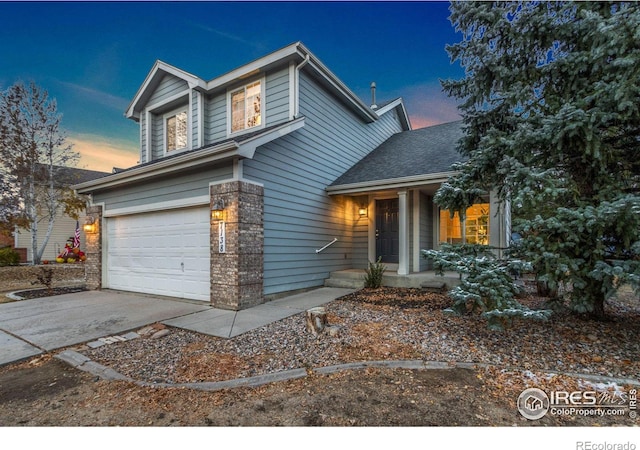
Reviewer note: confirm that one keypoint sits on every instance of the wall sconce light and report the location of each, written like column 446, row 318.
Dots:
column 89, row 225
column 217, row 210
column 362, row 211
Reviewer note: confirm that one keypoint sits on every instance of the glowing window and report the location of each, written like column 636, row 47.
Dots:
column 476, row 227
column 246, row 107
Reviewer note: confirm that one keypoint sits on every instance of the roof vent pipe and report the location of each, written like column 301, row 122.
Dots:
column 373, row 95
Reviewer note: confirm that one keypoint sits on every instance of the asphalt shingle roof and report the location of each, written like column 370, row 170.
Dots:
column 67, row 176
column 417, row 152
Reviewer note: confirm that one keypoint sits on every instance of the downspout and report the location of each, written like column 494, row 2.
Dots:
column 296, row 87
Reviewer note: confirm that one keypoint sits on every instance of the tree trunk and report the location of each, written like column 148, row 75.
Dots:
column 33, row 220
column 316, row 320
column 598, row 308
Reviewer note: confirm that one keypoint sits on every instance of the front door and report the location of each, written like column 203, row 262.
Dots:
column 387, row 231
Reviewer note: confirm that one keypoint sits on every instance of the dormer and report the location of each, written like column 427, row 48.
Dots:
column 165, row 106
column 180, row 112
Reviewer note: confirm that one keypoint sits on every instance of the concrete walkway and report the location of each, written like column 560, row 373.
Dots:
column 228, row 324
column 31, row 327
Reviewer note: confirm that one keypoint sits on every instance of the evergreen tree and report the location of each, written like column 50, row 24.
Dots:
column 551, row 109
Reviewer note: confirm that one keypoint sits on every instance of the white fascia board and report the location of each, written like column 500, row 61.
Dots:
column 397, row 103
column 251, row 68
column 201, row 200
column 248, row 147
column 224, row 150
column 160, row 66
column 211, row 154
column 392, row 183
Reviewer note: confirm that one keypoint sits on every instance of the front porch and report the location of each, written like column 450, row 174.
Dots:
column 354, row 279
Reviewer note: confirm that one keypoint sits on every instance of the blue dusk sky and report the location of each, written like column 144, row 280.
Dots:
column 93, row 56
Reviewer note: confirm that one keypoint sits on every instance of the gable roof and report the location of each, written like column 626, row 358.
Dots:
column 295, row 52
column 421, row 154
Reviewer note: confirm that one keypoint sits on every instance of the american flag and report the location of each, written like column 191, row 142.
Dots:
column 76, row 236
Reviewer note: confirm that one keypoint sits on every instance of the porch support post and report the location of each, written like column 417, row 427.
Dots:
column 417, row 216
column 403, row 238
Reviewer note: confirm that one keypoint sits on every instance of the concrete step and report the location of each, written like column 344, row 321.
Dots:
column 354, row 278
column 350, row 274
column 344, row 283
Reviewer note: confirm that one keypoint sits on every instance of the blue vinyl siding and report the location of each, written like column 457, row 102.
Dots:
column 277, row 97
column 157, row 136
column 175, row 187
column 194, row 120
column 275, row 108
column 168, row 87
column 360, row 235
column 426, row 228
column 299, row 216
column 216, row 123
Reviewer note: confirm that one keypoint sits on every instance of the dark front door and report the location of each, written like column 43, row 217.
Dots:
column 387, row 235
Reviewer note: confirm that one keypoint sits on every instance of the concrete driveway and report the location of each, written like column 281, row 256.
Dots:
column 30, row 327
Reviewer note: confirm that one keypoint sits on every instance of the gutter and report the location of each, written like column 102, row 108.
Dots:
column 296, row 90
column 225, row 149
column 228, row 149
column 391, row 183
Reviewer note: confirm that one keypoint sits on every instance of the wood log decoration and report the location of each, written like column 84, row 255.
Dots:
column 316, row 320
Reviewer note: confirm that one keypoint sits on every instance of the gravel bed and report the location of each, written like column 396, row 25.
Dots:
column 389, row 324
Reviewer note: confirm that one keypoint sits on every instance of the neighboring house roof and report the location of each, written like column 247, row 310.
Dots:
column 415, row 155
column 68, row 176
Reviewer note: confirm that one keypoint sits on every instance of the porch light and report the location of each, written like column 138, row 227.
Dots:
column 217, row 210
column 362, row 211
column 89, row 225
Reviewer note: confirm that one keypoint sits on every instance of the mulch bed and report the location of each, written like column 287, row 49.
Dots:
column 381, row 324
column 390, row 324
column 38, row 293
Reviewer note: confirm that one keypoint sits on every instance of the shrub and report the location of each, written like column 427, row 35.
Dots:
column 373, row 277
column 9, row 257
column 487, row 285
column 45, row 276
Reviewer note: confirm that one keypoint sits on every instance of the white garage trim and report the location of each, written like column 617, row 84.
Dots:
column 159, row 206
column 164, row 253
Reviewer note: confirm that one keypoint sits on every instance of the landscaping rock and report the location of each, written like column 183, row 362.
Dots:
column 159, row 334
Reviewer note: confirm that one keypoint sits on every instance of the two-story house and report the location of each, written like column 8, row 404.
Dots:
column 265, row 180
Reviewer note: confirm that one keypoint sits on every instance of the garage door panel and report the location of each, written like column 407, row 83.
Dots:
column 163, row 253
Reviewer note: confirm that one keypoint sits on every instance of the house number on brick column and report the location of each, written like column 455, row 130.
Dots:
column 222, row 241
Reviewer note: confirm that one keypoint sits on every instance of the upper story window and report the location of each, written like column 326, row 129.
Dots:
column 246, row 107
column 175, row 130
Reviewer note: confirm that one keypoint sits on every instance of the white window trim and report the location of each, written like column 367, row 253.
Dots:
column 263, row 102
column 165, row 116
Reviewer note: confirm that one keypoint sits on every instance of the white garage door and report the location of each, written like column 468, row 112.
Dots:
column 162, row 253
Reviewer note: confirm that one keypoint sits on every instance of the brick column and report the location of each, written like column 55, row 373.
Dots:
column 93, row 242
column 237, row 273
